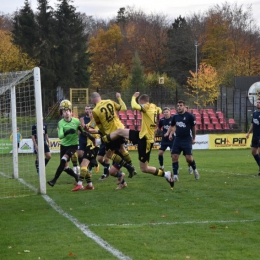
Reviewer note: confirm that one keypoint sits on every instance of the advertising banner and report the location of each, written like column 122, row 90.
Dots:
column 229, row 141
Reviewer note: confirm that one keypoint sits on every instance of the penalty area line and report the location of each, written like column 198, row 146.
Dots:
column 82, row 227
column 176, row 223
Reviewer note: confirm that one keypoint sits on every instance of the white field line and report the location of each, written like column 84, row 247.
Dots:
column 84, row 228
column 177, row 223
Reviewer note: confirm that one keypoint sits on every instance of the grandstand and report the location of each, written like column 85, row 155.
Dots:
column 207, row 120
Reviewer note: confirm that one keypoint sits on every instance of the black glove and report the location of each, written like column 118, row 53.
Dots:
column 70, row 131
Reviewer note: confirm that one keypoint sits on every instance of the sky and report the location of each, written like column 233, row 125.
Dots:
column 106, row 9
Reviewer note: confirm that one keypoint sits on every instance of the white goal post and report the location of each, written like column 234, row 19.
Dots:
column 20, row 108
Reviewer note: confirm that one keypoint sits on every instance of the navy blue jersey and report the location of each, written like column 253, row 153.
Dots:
column 83, row 138
column 34, row 132
column 256, row 123
column 164, row 125
column 184, row 123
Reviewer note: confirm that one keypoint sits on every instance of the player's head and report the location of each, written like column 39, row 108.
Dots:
column 87, row 110
column 166, row 112
column 143, row 99
column 95, row 97
column 181, row 108
column 65, row 105
column 258, row 103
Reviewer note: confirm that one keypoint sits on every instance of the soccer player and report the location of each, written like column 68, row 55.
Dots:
column 82, row 137
column 164, row 124
column 45, row 142
column 185, row 135
column 145, row 137
column 105, row 115
column 255, row 127
column 68, row 133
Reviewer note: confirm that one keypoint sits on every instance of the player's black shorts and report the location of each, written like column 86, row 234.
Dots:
column 143, row 156
column 182, row 145
column 116, row 144
column 90, row 154
column 255, row 143
column 46, row 149
column 69, row 150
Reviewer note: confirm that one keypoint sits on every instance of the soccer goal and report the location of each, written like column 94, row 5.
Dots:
column 20, row 108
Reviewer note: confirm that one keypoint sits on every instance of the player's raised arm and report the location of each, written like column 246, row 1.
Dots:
column 121, row 102
column 134, row 104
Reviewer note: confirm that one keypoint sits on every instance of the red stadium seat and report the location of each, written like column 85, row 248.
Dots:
column 129, row 122
column 210, row 127
column 129, row 112
column 214, row 121
column 218, row 127
column 131, row 116
column 231, row 121
column 123, row 116
column 121, row 113
column 206, row 121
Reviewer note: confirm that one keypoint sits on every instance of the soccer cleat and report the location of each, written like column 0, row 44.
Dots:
column 103, row 177
column 51, row 183
column 196, row 174
column 175, row 177
column 78, row 187
column 169, row 178
column 97, row 169
column 131, row 170
column 88, row 187
column 190, row 170
column 121, row 186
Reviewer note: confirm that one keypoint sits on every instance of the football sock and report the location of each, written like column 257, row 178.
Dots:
column 159, row 172
column 46, row 161
column 175, row 167
column 83, row 173
column 70, row 172
column 160, row 158
column 37, row 165
column 126, row 157
column 193, row 165
column 257, row 159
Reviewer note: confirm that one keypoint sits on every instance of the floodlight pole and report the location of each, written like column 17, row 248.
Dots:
column 196, row 61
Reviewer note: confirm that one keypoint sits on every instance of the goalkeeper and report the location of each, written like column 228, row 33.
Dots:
column 68, row 133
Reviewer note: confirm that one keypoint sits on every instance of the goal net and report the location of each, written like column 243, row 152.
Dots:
column 20, row 108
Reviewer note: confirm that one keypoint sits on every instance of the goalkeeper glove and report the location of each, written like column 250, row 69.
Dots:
column 70, row 131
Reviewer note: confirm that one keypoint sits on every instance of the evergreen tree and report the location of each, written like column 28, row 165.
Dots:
column 72, row 48
column 137, row 82
column 180, row 55
column 25, row 29
column 45, row 47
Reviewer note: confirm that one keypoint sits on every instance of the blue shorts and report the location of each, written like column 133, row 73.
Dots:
column 165, row 145
column 182, row 145
column 102, row 150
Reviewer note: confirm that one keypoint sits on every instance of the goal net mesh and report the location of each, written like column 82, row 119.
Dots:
column 17, row 110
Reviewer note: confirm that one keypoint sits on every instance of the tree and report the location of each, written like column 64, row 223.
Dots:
column 105, row 48
column 180, row 53
column 204, row 86
column 73, row 59
column 137, row 81
column 25, row 30
column 11, row 58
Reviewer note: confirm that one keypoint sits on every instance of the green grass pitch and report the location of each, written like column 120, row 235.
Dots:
column 216, row 217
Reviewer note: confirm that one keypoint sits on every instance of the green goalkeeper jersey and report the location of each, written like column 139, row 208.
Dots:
column 63, row 126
